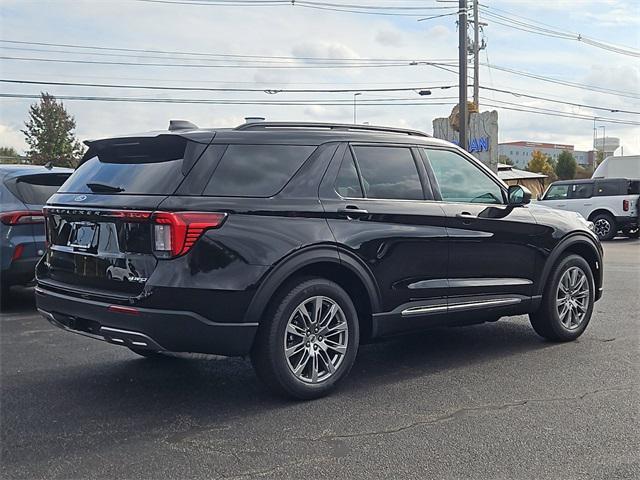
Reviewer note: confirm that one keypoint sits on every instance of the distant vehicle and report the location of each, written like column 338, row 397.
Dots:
column 612, row 204
column 292, row 242
column 24, row 189
column 619, row 167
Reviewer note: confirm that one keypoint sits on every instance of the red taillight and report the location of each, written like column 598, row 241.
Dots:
column 131, row 215
column 23, row 217
column 176, row 232
column 625, row 205
column 18, row 251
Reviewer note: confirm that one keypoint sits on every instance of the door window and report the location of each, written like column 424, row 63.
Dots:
column 581, row 190
column 389, row 173
column 461, row 181
column 347, row 182
column 557, row 192
column 607, row 188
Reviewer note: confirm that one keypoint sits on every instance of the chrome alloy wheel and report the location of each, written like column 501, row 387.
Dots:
column 573, row 297
column 602, row 227
column 316, row 339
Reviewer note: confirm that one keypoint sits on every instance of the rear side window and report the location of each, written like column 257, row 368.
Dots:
column 347, row 182
column 36, row 189
column 147, row 166
column 634, row 187
column 389, row 173
column 581, row 190
column 256, row 170
column 604, row 189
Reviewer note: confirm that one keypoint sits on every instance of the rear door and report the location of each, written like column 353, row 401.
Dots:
column 380, row 207
column 99, row 229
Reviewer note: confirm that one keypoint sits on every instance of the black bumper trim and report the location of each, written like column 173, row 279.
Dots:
column 166, row 330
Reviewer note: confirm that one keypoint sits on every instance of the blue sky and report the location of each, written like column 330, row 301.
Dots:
column 301, row 32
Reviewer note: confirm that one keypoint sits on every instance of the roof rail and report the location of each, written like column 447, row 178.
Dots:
column 329, row 126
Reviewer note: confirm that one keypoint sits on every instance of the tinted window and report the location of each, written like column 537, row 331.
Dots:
column 36, row 189
column 137, row 178
column 604, row 189
column 581, row 190
column 460, row 180
column 256, row 170
column 634, row 187
column 557, row 192
column 389, row 172
column 347, row 183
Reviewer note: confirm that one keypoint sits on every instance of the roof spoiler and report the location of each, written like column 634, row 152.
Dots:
column 181, row 125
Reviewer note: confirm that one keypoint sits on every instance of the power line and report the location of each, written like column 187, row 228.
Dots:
column 224, row 89
column 532, row 26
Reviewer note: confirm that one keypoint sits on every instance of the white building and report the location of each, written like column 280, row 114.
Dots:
column 520, row 152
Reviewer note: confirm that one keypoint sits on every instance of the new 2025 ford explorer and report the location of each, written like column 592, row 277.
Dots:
column 292, row 243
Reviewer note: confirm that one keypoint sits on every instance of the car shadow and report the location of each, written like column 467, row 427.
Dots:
column 20, row 300
column 139, row 395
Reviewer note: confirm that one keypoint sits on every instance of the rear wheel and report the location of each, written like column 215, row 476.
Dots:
column 567, row 302
column 308, row 340
column 605, row 226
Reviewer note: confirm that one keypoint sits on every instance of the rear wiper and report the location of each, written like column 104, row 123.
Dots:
column 103, row 187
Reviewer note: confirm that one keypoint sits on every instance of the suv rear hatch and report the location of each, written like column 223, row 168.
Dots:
column 100, row 228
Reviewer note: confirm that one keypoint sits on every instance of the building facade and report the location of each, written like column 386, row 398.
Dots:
column 519, row 153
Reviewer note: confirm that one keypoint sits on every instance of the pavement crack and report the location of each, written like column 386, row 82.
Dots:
column 462, row 412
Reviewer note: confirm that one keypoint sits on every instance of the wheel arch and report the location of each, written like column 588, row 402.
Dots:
column 579, row 244
column 325, row 262
column 599, row 211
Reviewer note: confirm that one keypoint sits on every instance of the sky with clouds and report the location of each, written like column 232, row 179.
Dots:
column 294, row 31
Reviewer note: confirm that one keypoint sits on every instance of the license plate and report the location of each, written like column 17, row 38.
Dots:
column 82, row 234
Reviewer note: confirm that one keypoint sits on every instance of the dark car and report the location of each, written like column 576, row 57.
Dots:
column 295, row 242
column 24, row 189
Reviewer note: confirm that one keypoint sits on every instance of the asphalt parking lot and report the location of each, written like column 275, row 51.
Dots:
column 490, row 401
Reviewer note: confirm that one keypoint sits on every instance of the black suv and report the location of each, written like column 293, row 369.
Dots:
column 295, row 242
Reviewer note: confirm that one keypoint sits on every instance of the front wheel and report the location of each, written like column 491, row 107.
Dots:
column 308, row 340
column 567, row 302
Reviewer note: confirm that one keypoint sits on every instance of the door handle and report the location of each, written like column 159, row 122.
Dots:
column 465, row 215
column 352, row 211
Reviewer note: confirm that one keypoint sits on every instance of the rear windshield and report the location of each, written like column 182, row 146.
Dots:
column 36, row 189
column 143, row 167
column 256, row 170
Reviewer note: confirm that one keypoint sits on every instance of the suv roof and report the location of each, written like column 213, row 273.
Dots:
column 304, row 132
column 591, row 180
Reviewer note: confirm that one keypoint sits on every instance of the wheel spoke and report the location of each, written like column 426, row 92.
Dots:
column 330, row 315
column 314, row 368
column 294, row 349
column 296, row 330
column 317, row 311
column 302, row 362
column 304, row 313
column 324, row 356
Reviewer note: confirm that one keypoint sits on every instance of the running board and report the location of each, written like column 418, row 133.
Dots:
column 459, row 307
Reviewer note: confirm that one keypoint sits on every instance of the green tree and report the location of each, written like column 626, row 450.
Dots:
column 49, row 134
column 539, row 163
column 504, row 159
column 566, row 166
column 9, row 155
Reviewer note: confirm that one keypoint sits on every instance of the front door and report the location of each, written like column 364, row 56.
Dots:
column 491, row 253
column 380, row 209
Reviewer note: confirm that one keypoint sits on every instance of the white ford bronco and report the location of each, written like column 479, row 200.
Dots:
column 610, row 203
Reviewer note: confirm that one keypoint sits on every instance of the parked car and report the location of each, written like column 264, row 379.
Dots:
column 24, row 189
column 612, row 204
column 294, row 242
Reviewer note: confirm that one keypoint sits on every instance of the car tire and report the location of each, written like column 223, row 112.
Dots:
column 567, row 302
column 305, row 356
column 605, row 226
column 151, row 354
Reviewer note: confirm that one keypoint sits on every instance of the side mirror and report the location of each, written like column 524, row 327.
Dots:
column 518, row 195
column 538, row 197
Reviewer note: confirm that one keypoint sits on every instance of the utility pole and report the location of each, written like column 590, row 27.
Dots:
column 462, row 68
column 354, row 106
column 476, row 56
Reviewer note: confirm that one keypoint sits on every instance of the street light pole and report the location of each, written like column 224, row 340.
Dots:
column 462, row 69
column 354, row 106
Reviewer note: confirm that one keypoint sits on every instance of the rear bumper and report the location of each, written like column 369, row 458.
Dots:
column 20, row 271
column 166, row 330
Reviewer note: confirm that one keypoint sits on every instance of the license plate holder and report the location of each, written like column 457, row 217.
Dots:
column 82, row 234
